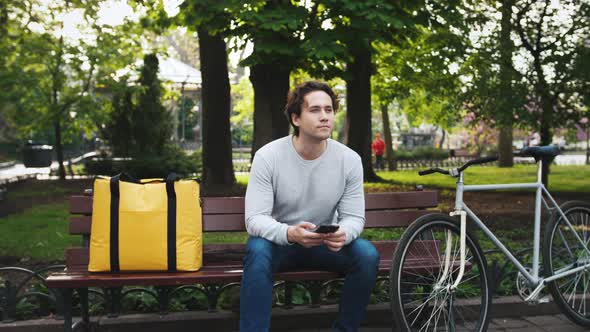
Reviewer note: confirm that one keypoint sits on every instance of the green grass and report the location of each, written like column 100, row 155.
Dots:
column 561, row 178
column 40, row 233
column 36, row 189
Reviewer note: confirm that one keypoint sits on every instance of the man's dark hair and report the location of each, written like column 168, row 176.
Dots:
column 296, row 97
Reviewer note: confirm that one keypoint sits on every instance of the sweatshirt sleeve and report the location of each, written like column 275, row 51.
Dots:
column 259, row 204
column 351, row 207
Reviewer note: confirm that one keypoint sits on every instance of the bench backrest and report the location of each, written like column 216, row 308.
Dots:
column 226, row 214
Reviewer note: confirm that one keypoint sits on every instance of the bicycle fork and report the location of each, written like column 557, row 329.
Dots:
column 447, row 268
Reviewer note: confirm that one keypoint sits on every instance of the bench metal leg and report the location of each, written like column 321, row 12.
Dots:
column 289, row 294
column 315, row 289
column 83, row 292
column 8, row 302
column 65, row 295
column 212, row 292
column 113, row 297
column 163, row 298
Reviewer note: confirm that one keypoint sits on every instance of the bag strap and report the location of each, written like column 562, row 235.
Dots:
column 114, row 240
column 170, row 179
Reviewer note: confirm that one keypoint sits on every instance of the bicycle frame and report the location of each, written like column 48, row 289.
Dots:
column 463, row 210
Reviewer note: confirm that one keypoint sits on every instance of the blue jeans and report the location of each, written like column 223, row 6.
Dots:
column 357, row 261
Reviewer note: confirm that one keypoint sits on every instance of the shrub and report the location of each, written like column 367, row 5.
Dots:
column 173, row 159
column 421, row 153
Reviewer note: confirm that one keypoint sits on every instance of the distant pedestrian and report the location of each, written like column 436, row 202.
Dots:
column 378, row 147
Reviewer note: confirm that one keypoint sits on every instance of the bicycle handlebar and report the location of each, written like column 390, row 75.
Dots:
column 460, row 169
column 478, row 162
column 433, row 170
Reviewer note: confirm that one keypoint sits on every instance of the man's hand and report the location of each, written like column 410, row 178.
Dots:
column 301, row 234
column 335, row 241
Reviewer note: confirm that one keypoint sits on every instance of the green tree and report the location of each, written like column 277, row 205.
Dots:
column 549, row 34
column 139, row 124
column 152, row 123
column 348, row 31
column 211, row 21
column 420, row 74
column 48, row 78
column 276, row 29
column 505, row 113
column 243, row 111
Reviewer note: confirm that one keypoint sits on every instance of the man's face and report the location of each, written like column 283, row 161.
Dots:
column 317, row 116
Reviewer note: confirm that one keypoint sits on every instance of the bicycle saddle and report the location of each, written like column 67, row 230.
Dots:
column 547, row 152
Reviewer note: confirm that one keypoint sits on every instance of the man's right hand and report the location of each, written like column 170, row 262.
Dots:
column 301, row 234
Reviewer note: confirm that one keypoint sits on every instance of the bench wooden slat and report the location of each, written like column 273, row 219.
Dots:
column 222, row 205
column 217, row 273
column 81, row 225
column 80, row 204
column 232, row 254
column 392, row 218
column 401, row 200
column 209, row 274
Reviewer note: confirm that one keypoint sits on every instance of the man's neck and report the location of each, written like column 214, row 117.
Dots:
column 309, row 149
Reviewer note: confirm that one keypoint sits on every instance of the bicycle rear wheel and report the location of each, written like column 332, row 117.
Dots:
column 563, row 251
column 421, row 299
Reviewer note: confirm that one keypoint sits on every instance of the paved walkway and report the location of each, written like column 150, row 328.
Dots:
column 524, row 324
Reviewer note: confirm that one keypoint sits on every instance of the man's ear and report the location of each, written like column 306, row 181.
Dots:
column 295, row 119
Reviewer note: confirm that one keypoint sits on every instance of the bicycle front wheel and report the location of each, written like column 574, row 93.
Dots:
column 563, row 251
column 422, row 298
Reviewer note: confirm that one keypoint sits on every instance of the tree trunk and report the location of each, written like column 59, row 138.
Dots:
column 217, row 151
column 343, row 137
column 546, row 137
column 61, row 171
column 505, row 115
column 388, row 141
column 271, row 86
column 358, row 105
column 505, row 146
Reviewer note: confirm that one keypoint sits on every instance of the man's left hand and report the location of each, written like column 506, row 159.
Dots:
column 335, row 241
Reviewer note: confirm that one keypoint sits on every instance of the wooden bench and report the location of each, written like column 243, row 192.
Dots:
column 222, row 263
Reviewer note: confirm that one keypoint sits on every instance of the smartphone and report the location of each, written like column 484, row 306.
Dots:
column 324, row 229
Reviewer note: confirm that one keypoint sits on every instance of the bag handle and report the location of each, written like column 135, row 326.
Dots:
column 124, row 176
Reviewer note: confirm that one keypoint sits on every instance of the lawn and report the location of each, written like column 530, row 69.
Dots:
column 40, row 233
column 561, row 178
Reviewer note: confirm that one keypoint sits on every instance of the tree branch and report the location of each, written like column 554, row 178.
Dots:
column 540, row 27
column 520, row 30
column 571, row 30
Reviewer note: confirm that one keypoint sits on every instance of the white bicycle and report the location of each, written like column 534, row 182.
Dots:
column 450, row 290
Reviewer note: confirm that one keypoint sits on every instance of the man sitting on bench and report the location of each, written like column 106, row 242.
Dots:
column 296, row 184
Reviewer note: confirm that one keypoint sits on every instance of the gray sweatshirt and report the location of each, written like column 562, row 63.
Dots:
column 285, row 189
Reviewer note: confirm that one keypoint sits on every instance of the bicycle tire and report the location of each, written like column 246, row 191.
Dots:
column 559, row 250
column 470, row 312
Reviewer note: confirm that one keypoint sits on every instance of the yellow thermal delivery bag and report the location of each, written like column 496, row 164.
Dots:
column 143, row 225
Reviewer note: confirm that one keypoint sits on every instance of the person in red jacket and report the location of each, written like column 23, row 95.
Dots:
column 378, row 147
